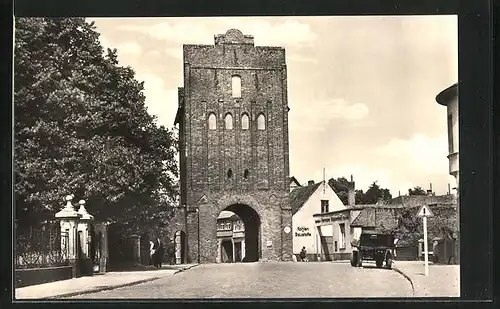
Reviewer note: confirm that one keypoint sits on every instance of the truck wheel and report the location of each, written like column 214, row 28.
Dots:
column 388, row 263
column 353, row 262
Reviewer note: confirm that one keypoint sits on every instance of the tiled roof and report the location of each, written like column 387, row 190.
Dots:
column 299, row 196
column 294, row 180
column 375, row 217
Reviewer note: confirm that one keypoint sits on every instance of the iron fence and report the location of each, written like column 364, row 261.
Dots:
column 42, row 245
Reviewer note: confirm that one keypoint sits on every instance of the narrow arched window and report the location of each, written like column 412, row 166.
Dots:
column 261, row 122
column 229, row 173
column 229, row 122
column 246, row 174
column 212, row 122
column 236, row 86
column 245, row 122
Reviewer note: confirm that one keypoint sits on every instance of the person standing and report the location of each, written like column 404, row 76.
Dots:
column 152, row 252
column 159, row 253
column 303, row 254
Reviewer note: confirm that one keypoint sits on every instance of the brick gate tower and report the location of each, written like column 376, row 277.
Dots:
column 233, row 144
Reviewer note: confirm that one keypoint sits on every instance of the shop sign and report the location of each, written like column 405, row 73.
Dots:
column 302, row 231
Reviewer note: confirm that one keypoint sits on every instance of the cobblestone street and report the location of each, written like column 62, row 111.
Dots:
column 269, row 280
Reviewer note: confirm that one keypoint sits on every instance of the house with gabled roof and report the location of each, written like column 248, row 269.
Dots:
column 305, row 201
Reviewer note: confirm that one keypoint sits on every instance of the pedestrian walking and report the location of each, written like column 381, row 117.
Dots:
column 303, row 254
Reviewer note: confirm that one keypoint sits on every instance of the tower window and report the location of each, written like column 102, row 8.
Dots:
column 245, row 122
column 246, row 174
column 261, row 122
column 236, row 86
column 229, row 122
column 212, row 122
column 229, row 173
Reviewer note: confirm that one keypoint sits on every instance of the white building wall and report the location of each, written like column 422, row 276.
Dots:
column 303, row 227
column 454, row 154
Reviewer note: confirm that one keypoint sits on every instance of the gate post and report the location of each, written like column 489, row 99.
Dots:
column 101, row 231
column 87, row 266
column 68, row 222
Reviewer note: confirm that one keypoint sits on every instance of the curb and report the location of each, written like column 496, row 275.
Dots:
column 113, row 287
column 399, row 271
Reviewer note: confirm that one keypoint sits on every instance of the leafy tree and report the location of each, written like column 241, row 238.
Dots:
column 359, row 197
column 375, row 194
column 82, row 127
column 340, row 187
column 417, row 191
column 410, row 229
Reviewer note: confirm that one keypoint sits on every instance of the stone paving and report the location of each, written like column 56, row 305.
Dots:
column 442, row 281
column 94, row 283
column 268, row 280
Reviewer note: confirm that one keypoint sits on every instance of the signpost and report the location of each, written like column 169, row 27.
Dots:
column 425, row 212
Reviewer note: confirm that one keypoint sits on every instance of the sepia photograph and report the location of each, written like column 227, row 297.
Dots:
column 186, row 158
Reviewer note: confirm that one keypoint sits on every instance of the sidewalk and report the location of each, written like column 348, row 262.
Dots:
column 442, row 281
column 96, row 283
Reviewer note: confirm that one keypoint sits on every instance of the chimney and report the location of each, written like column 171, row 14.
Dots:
column 351, row 193
column 310, row 182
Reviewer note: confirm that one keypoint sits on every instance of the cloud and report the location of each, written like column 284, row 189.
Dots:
column 174, row 52
column 187, row 31
column 420, row 152
column 124, row 48
column 317, row 115
column 299, row 58
column 129, row 48
column 160, row 101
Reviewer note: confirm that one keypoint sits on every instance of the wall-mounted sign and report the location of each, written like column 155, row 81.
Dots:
column 287, row 229
column 302, row 231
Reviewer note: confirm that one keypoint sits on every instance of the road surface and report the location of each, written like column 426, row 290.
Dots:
column 268, row 280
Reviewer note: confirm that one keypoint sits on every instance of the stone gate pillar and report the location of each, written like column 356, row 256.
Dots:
column 69, row 222
column 101, row 230
column 84, row 237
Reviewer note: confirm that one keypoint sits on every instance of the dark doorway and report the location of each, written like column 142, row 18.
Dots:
column 251, row 222
column 327, row 245
column 237, row 251
column 227, row 251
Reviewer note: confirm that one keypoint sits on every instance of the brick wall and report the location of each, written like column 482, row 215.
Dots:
column 208, row 155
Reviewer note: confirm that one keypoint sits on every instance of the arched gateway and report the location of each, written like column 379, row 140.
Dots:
column 233, row 146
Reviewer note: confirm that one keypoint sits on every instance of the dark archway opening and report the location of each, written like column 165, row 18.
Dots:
column 252, row 243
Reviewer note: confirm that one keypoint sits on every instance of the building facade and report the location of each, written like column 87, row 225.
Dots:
column 233, row 145
column 230, row 238
column 449, row 98
column 305, row 202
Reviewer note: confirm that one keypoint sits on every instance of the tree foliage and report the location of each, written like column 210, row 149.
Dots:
column 340, row 187
column 417, row 191
column 82, row 127
column 444, row 223
column 373, row 195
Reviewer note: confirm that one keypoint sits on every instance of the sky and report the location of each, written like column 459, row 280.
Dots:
column 361, row 89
